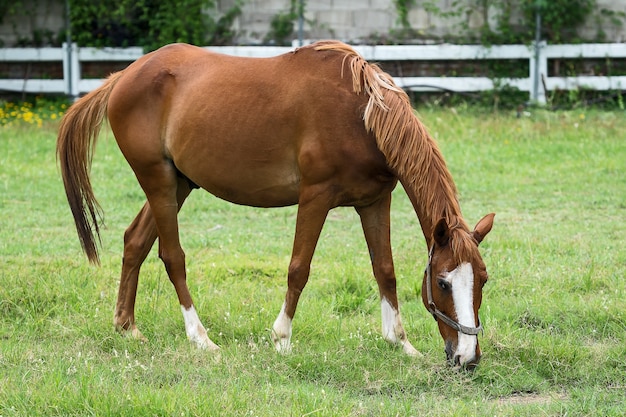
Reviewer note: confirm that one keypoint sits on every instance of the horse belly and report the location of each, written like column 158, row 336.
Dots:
column 255, row 193
column 243, row 180
column 241, row 149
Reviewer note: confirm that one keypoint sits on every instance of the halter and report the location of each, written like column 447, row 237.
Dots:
column 472, row 331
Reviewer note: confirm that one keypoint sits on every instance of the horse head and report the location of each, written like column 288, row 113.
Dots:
column 452, row 288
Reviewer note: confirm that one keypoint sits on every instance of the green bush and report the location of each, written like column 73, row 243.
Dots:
column 151, row 23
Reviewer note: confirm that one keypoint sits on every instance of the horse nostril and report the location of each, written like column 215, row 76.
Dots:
column 471, row 366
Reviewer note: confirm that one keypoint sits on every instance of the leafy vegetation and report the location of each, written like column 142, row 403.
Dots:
column 146, row 23
column 512, row 21
column 554, row 309
column 151, row 23
column 402, row 9
column 282, row 23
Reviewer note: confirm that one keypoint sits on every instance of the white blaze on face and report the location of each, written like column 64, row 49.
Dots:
column 462, row 283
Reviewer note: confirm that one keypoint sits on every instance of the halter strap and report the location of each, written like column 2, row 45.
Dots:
column 472, row 331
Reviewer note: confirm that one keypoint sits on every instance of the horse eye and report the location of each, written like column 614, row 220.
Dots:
column 443, row 284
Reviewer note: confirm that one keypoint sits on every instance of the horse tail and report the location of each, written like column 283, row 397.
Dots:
column 76, row 141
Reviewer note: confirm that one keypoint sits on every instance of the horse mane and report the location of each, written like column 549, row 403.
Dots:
column 410, row 151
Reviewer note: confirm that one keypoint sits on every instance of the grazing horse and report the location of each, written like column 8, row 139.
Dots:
column 319, row 127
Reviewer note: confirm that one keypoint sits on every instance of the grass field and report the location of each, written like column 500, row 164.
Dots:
column 554, row 310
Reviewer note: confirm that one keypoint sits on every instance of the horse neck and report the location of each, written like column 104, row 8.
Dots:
column 411, row 153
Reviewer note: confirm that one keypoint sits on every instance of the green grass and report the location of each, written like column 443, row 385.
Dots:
column 554, row 309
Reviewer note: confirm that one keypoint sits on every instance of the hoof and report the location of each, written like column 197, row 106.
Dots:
column 131, row 333
column 200, row 338
column 206, row 344
column 408, row 349
column 281, row 343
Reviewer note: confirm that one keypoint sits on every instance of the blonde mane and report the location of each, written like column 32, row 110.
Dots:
column 408, row 147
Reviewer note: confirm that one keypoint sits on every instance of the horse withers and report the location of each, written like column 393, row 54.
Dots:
column 319, row 127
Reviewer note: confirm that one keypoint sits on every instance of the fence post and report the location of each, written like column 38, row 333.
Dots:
column 538, row 69
column 71, row 70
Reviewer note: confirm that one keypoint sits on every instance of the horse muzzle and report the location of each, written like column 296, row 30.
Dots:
column 459, row 361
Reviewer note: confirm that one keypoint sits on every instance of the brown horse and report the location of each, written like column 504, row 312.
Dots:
column 319, row 127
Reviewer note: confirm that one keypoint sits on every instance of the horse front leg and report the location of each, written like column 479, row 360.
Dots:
column 376, row 221
column 312, row 211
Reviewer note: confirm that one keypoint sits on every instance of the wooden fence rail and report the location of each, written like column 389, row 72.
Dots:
column 537, row 84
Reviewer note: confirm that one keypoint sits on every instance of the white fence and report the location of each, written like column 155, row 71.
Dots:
column 537, row 84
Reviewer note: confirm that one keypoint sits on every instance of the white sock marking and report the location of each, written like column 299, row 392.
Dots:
column 281, row 332
column 392, row 328
column 196, row 332
column 390, row 320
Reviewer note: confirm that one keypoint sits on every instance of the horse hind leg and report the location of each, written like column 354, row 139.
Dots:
column 376, row 221
column 138, row 240
column 161, row 182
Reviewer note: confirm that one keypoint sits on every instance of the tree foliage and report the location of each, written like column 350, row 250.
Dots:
column 150, row 23
column 560, row 19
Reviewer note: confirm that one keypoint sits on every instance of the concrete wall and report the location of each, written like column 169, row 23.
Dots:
column 45, row 16
column 613, row 33
column 324, row 19
column 367, row 20
column 349, row 20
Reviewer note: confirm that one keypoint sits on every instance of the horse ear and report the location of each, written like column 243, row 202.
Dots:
column 441, row 233
column 483, row 227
